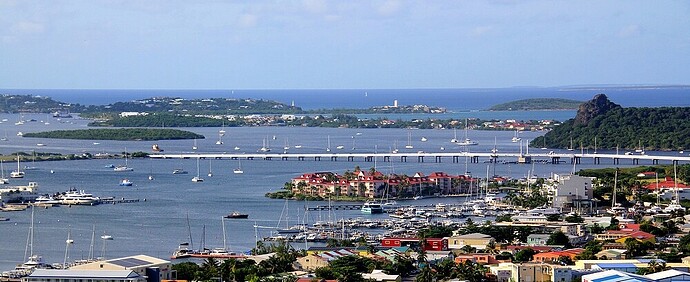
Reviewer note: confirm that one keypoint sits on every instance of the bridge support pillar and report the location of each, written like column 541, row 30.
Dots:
column 300, row 158
column 369, row 159
column 675, row 162
column 635, row 161
column 403, row 159
column 350, row 158
column 616, row 161
column 597, row 160
column 250, row 158
column 334, row 158
column 386, row 159
column 555, row 160
column 656, row 162
column 420, row 159
column 438, row 159
column 317, row 158
column 456, row 159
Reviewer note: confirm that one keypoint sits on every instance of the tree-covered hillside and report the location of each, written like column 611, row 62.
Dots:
column 666, row 128
column 537, row 104
column 123, row 134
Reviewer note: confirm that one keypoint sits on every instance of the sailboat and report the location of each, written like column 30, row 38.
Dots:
column 195, row 147
column 3, row 180
column 409, row 141
column 616, row 208
column 264, row 146
column 123, row 167
column 467, row 141
column 639, row 149
column 197, row 178
column 328, row 148
column 238, row 170
column 571, row 144
column 515, row 138
column 287, row 147
column 32, row 261
column 455, row 136
column 544, row 146
column 674, row 206
column 210, row 174
column 33, row 163
column 17, row 173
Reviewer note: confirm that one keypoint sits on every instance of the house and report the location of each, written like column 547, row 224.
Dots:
column 620, row 236
column 612, row 254
column 432, row 244
column 479, row 258
column 667, row 183
column 314, row 261
column 537, row 239
column 572, row 191
column 531, row 272
column 553, row 257
column 154, row 269
column 69, row 275
column 478, row 241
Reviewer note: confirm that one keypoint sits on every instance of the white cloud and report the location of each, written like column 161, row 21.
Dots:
column 27, row 27
column 248, row 20
column 630, row 31
column 389, row 7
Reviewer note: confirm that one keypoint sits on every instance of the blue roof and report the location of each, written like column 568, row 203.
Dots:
column 616, row 265
column 607, row 278
column 649, row 260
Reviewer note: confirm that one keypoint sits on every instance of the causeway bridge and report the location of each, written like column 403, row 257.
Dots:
column 438, row 157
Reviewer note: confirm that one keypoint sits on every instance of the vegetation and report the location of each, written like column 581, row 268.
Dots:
column 123, row 134
column 537, row 104
column 35, row 104
column 665, row 128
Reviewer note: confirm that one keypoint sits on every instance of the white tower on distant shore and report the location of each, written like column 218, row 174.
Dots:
column 395, row 103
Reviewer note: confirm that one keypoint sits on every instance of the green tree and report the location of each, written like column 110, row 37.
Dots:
column 186, row 270
column 559, row 238
column 524, row 255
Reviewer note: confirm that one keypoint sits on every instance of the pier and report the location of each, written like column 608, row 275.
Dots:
column 118, row 201
column 437, row 157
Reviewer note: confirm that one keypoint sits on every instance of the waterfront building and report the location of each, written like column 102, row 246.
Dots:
column 475, row 240
column 69, row 275
column 432, row 244
column 18, row 194
column 378, row 275
column 480, row 258
column 154, row 269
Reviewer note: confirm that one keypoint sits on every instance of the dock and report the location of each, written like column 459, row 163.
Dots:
column 119, row 201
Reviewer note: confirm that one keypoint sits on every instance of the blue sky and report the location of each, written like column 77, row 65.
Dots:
column 314, row 44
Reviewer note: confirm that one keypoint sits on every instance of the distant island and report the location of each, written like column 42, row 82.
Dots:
column 123, row 134
column 537, row 104
column 602, row 124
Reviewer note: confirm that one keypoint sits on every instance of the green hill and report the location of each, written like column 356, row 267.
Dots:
column 123, row 134
column 537, row 104
column 666, row 128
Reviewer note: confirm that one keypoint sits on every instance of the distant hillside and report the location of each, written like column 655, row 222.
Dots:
column 198, row 106
column 666, row 128
column 35, row 104
column 123, row 134
column 537, row 104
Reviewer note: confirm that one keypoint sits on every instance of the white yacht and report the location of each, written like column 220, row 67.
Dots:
column 371, row 208
column 79, row 198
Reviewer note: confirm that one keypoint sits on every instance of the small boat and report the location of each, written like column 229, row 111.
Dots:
column 123, row 168
column 96, row 143
column 219, row 142
column 236, row 214
column 197, row 178
column 109, row 166
column 106, row 237
column 236, row 148
column 179, row 171
column 41, row 145
column 340, row 147
column 126, row 182
column 409, row 141
column 156, row 148
column 150, row 177
column 20, row 133
column 195, row 147
column 371, row 208
column 424, row 139
column 298, row 146
column 238, row 170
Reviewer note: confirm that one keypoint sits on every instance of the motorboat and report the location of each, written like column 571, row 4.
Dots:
column 126, row 182
column 236, row 215
column 179, row 171
column 121, row 168
column 371, row 208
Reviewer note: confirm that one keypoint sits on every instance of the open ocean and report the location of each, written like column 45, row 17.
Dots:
column 452, row 99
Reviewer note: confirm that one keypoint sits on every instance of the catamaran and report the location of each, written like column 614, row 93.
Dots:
column 467, row 141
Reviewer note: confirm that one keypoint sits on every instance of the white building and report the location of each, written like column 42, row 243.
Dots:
column 66, row 275
column 570, row 189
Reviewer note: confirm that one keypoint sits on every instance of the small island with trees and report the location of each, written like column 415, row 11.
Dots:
column 122, row 134
column 537, row 104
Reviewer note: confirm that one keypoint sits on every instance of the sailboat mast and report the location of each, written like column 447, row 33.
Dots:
column 225, row 244
column 615, row 183
column 93, row 238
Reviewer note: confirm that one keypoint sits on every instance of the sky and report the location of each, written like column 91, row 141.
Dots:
column 321, row 44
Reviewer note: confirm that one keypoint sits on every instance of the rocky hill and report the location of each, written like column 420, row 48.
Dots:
column 666, row 128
